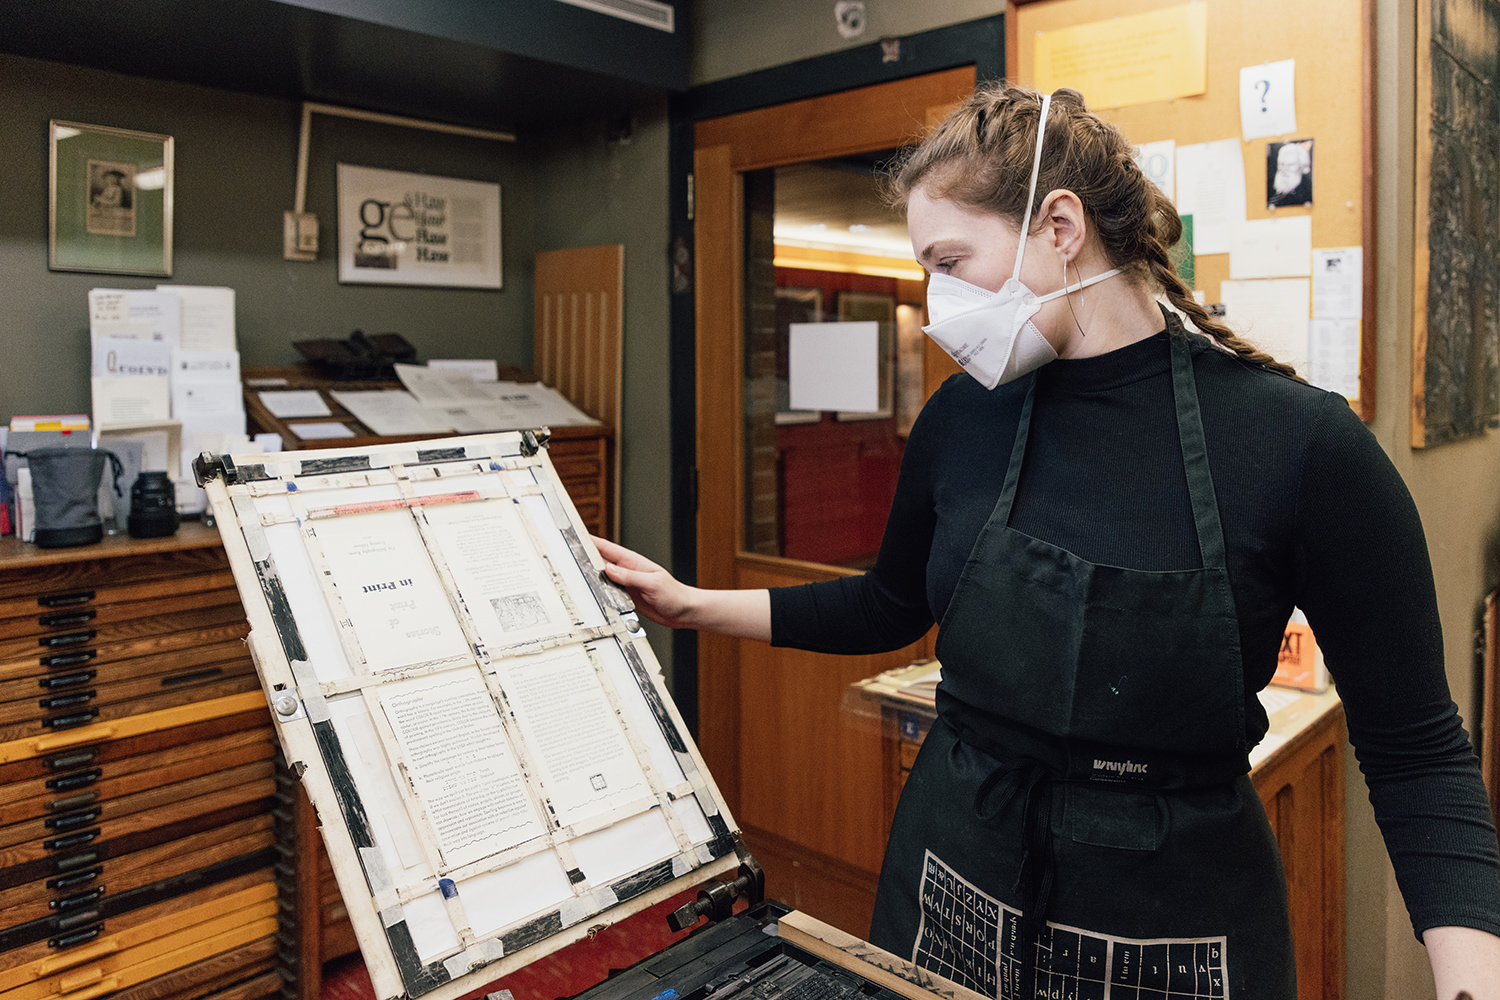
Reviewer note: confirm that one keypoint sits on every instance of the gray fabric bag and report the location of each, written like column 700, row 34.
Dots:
column 65, row 488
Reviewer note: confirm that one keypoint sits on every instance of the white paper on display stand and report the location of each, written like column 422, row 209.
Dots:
column 133, row 314
column 206, row 316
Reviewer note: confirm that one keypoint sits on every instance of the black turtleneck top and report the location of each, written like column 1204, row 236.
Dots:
column 1314, row 514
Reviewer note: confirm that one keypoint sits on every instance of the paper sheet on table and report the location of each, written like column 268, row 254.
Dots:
column 295, row 403
column 1157, row 161
column 390, row 413
column 1333, row 355
column 531, row 404
column 207, row 316
column 1271, row 248
column 1272, row 314
column 1210, row 178
column 1338, row 283
column 1268, row 99
column 146, row 399
column 478, row 369
column 134, row 314
column 118, row 357
column 322, row 430
column 437, row 387
column 834, row 366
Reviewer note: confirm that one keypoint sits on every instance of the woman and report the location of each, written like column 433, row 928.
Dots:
column 1113, row 542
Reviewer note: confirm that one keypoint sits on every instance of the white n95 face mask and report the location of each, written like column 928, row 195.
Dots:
column 990, row 333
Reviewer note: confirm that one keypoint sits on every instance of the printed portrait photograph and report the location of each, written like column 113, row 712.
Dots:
column 1289, row 173
column 111, row 194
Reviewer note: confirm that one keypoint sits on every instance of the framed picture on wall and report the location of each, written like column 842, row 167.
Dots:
column 877, row 307
column 793, row 305
column 415, row 229
column 109, row 204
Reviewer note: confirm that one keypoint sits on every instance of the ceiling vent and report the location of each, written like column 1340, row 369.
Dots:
column 648, row 12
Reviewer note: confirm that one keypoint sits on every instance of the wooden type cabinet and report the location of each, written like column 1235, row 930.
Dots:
column 1300, row 783
column 138, row 791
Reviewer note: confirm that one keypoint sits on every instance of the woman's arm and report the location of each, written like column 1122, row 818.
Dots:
column 662, row 598
column 1464, row 961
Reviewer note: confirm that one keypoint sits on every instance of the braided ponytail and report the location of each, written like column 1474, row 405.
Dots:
column 981, row 155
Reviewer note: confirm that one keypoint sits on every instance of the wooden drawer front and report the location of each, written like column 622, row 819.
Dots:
column 184, row 694
column 26, row 583
column 78, row 758
column 245, row 973
column 81, row 888
column 92, row 672
column 103, row 782
column 18, row 963
column 75, row 697
column 30, row 837
column 139, row 958
column 85, row 655
column 66, row 619
column 96, row 633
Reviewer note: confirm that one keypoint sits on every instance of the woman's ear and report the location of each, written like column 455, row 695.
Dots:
column 1065, row 226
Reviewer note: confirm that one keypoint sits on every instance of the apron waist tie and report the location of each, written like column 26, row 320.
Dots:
column 1033, row 779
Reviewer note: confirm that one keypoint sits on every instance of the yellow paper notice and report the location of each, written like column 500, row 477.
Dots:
column 1128, row 60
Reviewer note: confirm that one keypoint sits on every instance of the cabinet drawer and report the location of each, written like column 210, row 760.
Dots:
column 23, row 582
column 95, row 633
column 103, row 782
column 91, row 672
column 94, row 654
column 167, row 698
column 74, row 758
column 51, row 703
column 82, row 887
column 96, row 615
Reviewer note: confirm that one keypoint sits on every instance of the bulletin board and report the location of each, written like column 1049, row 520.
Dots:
column 1331, row 41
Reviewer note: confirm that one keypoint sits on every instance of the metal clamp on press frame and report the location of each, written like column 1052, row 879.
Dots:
column 716, row 901
column 208, row 466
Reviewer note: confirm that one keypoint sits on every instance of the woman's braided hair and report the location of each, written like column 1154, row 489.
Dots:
column 981, row 156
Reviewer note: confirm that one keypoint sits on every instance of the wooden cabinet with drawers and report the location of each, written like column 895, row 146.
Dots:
column 137, row 777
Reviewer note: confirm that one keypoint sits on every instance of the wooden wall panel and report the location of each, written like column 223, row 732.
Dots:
column 578, row 337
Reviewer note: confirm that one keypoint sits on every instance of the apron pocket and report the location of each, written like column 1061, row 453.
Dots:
column 1128, row 821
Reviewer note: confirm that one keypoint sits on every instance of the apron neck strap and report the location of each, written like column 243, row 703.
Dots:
column 1195, row 454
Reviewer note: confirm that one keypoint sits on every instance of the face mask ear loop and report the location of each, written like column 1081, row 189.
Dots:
column 1036, row 165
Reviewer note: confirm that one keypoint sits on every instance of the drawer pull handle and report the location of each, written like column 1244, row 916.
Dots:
column 69, row 940
column 72, row 819
column 67, row 638
column 80, row 899
column 76, row 861
column 69, row 721
column 71, row 618
column 67, row 680
column 68, row 700
column 72, row 759
column 76, row 919
column 192, row 678
column 79, row 780
column 65, row 600
column 72, row 801
column 72, row 840
column 69, row 881
column 69, row 659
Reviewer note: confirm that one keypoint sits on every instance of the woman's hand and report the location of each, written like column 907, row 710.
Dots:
column 662, row 598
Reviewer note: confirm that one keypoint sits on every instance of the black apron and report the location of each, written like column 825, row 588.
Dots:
column 1099, row 835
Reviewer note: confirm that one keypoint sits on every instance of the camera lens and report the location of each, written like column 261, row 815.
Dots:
column 153, row 506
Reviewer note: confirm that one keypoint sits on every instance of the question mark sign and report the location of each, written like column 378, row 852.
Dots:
column 1265, row 88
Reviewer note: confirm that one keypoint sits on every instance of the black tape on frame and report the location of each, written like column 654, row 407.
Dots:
column 416, row 977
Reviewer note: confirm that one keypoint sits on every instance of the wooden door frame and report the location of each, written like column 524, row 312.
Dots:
column 872, row 118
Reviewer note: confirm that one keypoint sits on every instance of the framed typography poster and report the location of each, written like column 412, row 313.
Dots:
column 413, row 229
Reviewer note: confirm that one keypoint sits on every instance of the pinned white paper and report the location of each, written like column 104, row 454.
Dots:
column 1272, row 314
column 1333, row 355
column 1268, row 99
column 834, row 366
column 1211, row 188
column 1156, row 160
column 1338, row 283
column 1271, row 248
